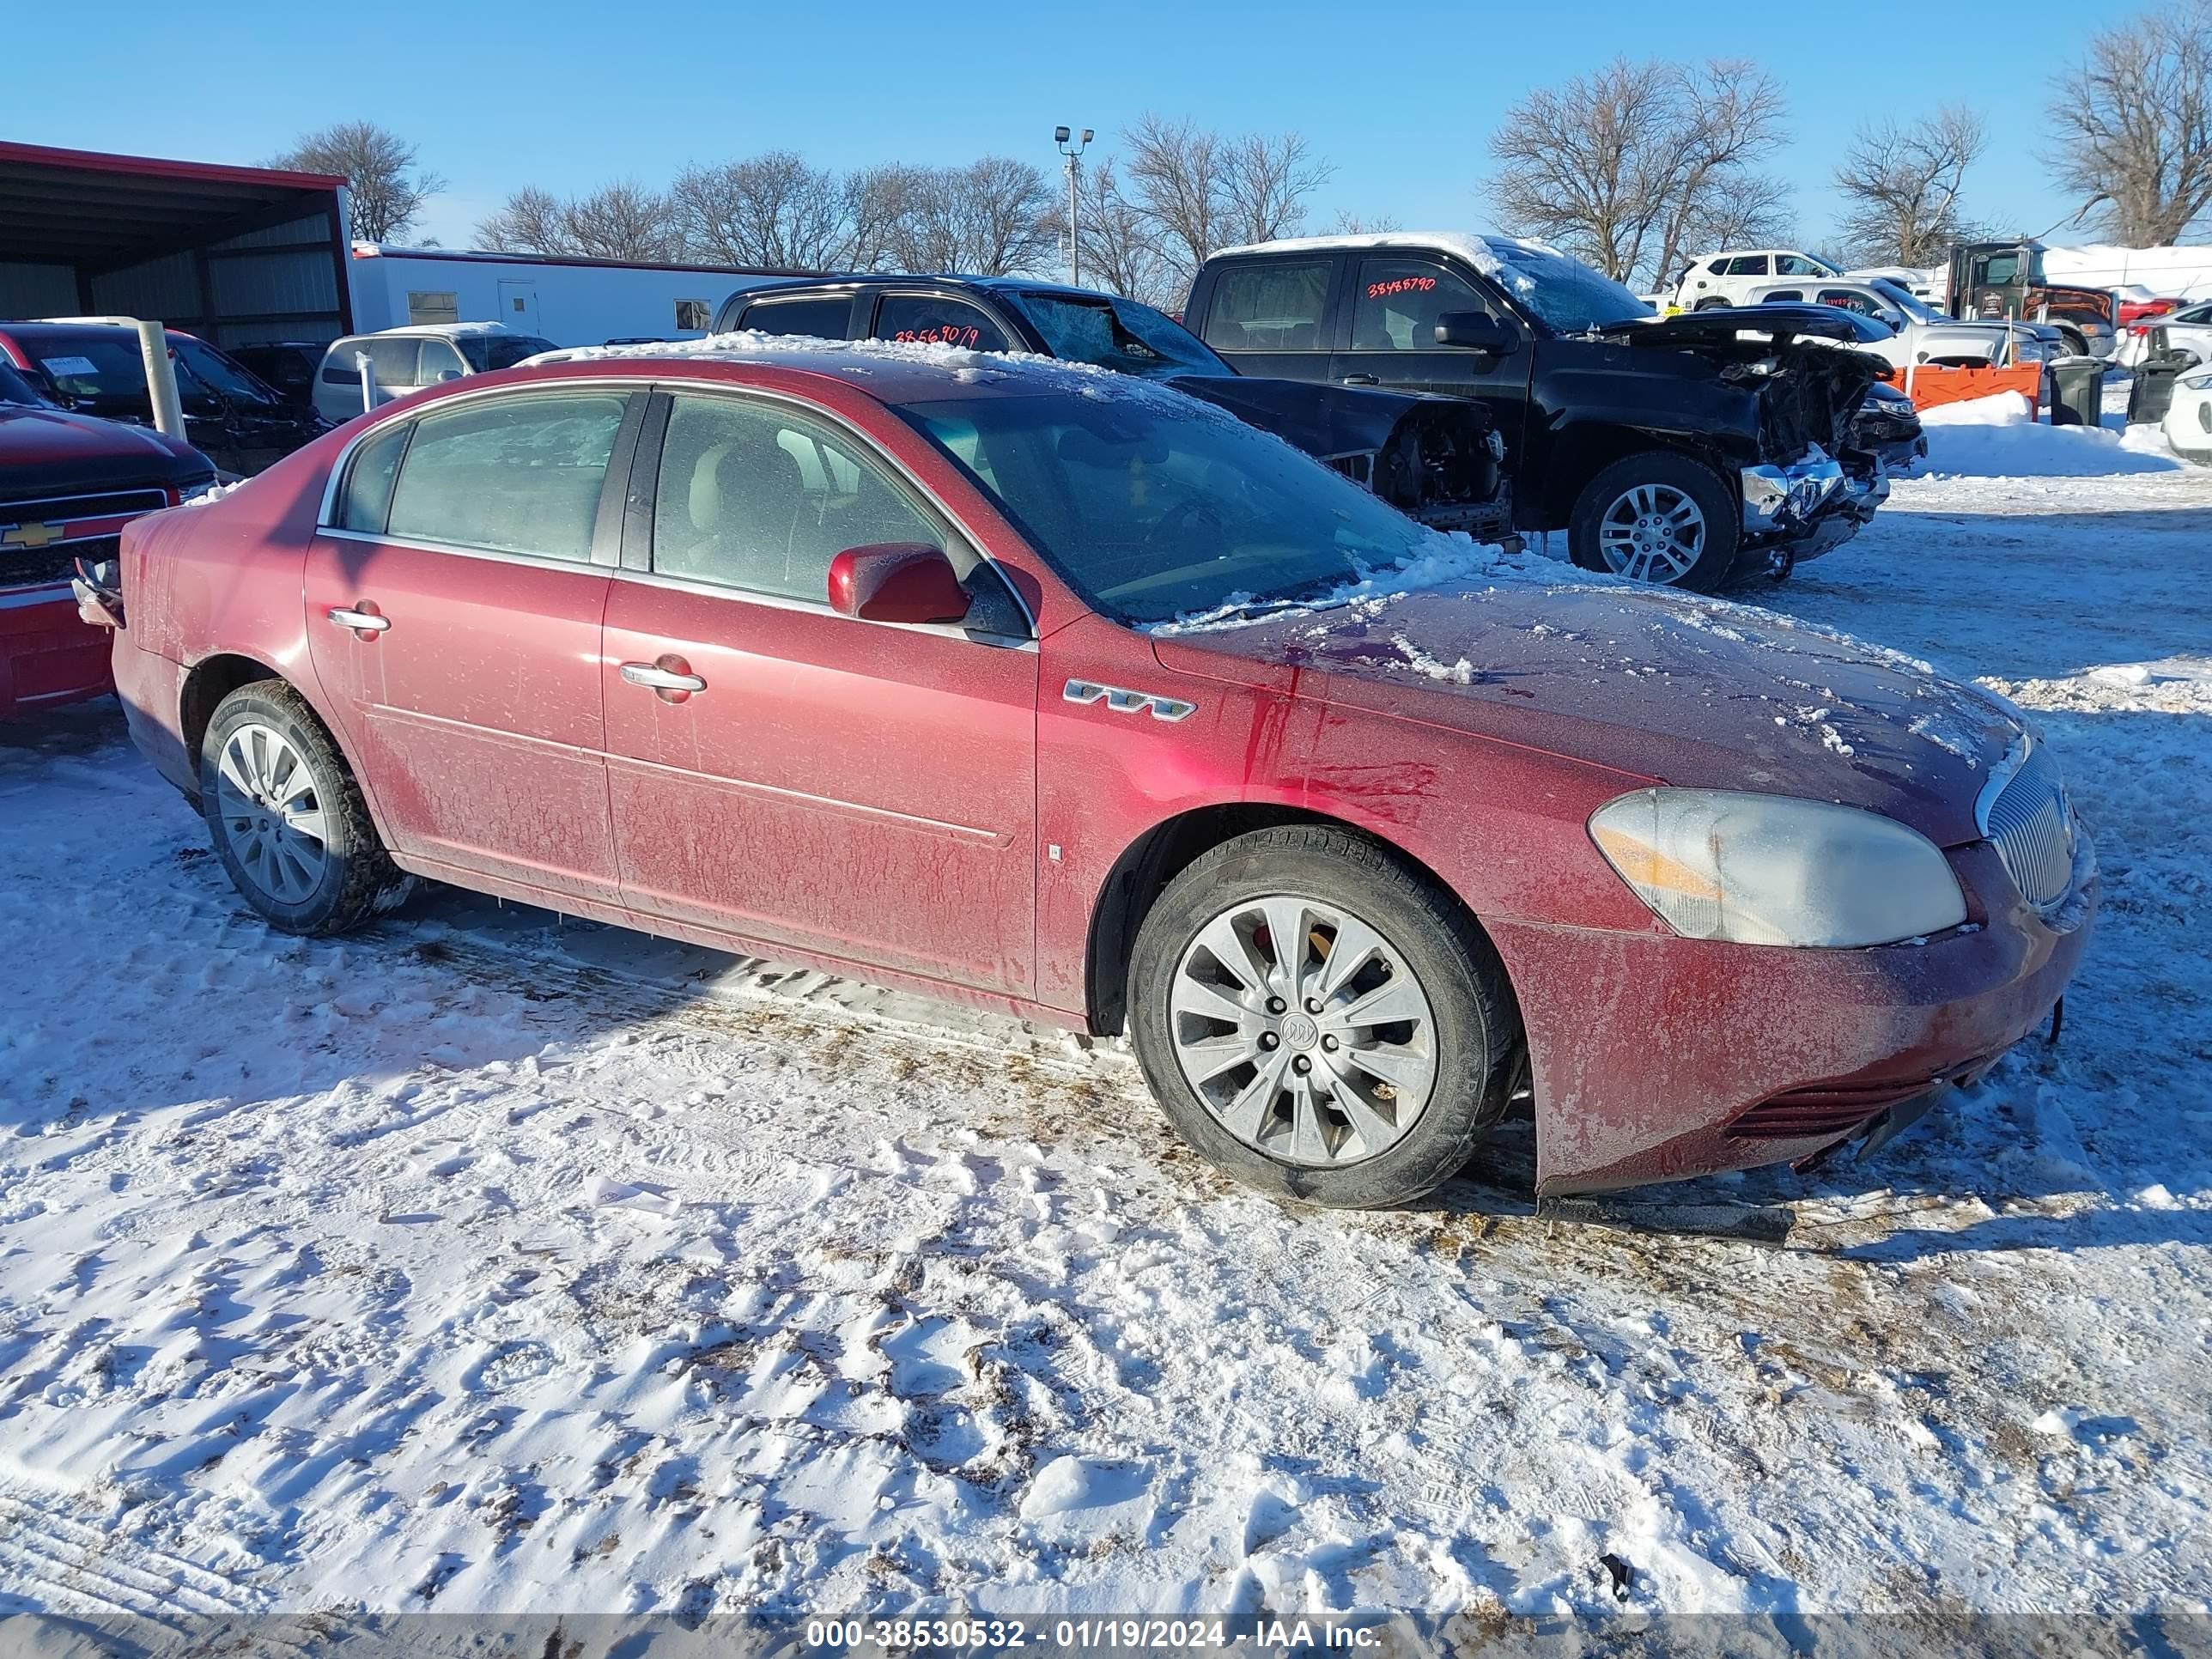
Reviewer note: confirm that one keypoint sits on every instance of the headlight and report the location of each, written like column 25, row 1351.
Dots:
column 2197, row 379
column 1771, row 870
column 199, row 492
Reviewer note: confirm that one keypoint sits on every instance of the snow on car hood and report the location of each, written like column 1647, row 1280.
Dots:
column 1701, row 694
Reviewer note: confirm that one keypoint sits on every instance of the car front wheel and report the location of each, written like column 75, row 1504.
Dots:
column 1320, row 1019
column 1657, row 518
column 286, row 817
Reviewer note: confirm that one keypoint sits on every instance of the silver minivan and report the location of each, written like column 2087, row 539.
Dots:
column 402, row 360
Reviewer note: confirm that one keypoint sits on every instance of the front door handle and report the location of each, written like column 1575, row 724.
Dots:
column 366, row 620
column 669, row 678
column 1361, row 379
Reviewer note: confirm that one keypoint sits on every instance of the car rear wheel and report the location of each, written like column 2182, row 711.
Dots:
column 1320, row 1019
column 286, row 818
column 1657, row 518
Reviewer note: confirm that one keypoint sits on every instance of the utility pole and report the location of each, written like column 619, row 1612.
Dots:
column 1073, row 151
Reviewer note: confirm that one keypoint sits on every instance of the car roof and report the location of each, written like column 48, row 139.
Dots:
column 918, row 278
column 440, row 331
column 889, row 372
column 47, row 327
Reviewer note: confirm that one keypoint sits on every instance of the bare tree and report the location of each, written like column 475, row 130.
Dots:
column 1264, row 183
column 771, row 210
column 1175, row 170
column 620, row 221
column 991, row 218
column 1356, row 224
column 1196, row 192
column 1901, row 179
column 625, row 220
column 1118, row 254
column 530, row 222
column 2132, row 126
column 1630, row 166
column 385, row 188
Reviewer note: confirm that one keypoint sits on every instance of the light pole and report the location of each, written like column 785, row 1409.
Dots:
column 1073, row 151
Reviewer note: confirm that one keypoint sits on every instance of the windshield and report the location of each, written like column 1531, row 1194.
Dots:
column 1898, row 295
column 89, row 367
column 1561, row 293
column 1156, row 506
column 486, row 352
column 212, row 369
column 1114, row 333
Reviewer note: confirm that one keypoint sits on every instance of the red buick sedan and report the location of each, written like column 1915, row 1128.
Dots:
column 1069, row 695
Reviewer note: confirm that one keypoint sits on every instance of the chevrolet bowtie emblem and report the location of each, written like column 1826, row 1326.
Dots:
column 31, row 535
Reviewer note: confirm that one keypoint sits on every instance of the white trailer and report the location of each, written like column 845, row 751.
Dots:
column 569, row 301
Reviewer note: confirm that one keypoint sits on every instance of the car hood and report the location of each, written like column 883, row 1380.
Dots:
column 52, row 451
column 1698, row 693
column 1723, row 325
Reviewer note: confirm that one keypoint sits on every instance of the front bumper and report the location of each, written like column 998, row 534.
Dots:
column 1809, row 507
column 1714, row 1057
column 48, row 655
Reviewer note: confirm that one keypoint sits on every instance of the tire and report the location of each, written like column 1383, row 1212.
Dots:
column 1713, row 302
column 271, row 851
column 1673, row 480
column 1365, row 1149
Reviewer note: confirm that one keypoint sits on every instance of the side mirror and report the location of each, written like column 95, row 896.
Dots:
column 1477, row 331
column 446, row 374
column 896, row 582
column 1890, row 315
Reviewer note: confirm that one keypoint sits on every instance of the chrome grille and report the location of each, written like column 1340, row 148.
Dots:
column 104, row 504
column 2029, row 823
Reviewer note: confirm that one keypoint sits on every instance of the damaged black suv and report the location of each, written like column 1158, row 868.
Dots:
column 1435, row 457
column 1687, row 450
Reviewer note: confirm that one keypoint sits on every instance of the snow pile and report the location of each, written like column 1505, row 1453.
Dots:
column 1998, row 436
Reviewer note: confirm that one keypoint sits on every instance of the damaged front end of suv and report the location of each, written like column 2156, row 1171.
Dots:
column 1788, row 386
column 1438, row 460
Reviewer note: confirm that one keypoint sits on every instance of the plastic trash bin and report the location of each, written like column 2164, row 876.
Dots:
column 2077, row 391
column 2153, row 392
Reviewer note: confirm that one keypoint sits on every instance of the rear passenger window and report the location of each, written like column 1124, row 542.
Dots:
column 823, row 318
column 366, row 498
column 1747, row 264
column 1276, row 306
column 511, row 475
column 1398, row 301
column 763, row 498
column 925, row 319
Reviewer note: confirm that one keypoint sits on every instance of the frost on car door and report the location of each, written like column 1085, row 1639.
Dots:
column 861, row 790
column 454, row 609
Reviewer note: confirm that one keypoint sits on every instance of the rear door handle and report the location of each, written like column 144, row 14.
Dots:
column 1361, row 379
column 670, row 676
column 365, row 622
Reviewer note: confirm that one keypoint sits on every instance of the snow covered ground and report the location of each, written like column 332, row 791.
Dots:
column 480, row 1263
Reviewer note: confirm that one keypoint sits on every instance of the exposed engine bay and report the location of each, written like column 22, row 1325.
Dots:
column 1438, row 460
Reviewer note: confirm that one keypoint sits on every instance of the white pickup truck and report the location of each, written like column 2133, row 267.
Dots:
column 1920, row 334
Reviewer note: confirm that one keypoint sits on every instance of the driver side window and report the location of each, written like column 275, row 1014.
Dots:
column 763, row 498
column 1397, row 303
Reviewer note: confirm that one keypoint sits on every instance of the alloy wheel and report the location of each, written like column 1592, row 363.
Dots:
column 1304, row 1031
column 1652, row 533
column 271, row 813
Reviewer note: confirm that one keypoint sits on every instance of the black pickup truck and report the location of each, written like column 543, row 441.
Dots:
column 1436, row 458
column 1685, row 450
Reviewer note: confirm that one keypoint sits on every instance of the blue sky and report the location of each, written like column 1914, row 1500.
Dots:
column 1401, row 96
